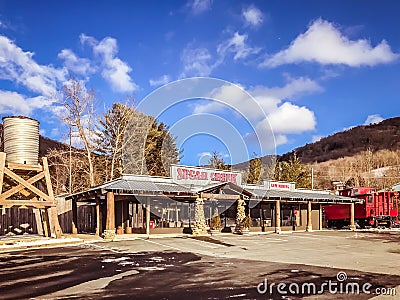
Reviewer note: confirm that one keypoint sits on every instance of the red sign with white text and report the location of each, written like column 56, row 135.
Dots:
column 202, row 176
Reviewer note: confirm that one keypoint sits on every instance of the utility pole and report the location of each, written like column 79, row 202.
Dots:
column 70, row 160
column 312, row 178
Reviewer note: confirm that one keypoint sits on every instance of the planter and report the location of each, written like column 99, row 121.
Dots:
column 187, row 230
column 227, row 229
column 128, row 230
column 120, row 230
column 109, row 235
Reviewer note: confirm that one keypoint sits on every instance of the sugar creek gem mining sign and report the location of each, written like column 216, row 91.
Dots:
column 203, row 176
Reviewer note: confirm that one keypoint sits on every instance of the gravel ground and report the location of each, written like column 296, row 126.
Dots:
column 222, row 266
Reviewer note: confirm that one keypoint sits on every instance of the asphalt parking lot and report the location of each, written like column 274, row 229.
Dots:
column 327, row 265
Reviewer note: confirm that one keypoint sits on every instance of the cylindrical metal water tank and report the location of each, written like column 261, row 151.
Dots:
column 21, row 140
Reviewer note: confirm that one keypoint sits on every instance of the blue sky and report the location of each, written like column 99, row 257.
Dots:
column 313, row 67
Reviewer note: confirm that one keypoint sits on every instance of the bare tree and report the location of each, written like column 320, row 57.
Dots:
column 79, row 102
column 68, row 168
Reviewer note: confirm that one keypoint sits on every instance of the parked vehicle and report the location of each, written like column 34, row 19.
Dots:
column 376, row 208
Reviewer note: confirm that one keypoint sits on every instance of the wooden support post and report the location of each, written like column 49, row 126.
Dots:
column 98, row 219
column 56, row 228
column 352, row 223
column 277, row 216
column 320, row 217
column 74, row 217
column 309, row 212
column 110, row 220
column 177, row 214
column 53, row 210
column 2, row 165
column 148, row 216
column 45, row 222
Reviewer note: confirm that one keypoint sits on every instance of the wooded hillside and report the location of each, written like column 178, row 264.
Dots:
column 382, row 136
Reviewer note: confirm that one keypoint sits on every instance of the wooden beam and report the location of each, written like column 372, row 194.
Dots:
column 11, row 183
column 20, row 187
column 45, row 222
column 46, row 173
column 219, row 196
column 110, row 219
column 277, row 216
column 53, row 213
column 2, row 165
column 148, row 216
column 28, row 203
column 98, row 219
column 17, row 166
column 352, row 223
column 27, row 184
column 309, row 217
column 74, row 217
column 320, row 217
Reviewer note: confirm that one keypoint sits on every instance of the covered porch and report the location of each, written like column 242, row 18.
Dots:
column 147, row 205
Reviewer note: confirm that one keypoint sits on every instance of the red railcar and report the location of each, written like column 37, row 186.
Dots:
column 377, row 208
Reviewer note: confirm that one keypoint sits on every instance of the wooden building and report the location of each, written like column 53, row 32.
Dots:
column 187, row 201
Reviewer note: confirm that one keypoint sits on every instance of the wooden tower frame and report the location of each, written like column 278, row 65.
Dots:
column 21, row 179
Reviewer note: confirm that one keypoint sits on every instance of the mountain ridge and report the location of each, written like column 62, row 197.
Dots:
column 378, row 136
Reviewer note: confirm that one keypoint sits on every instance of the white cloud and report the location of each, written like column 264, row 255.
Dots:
column 13, row 103
column 115, row 71
column 200, row 62
column 373, row 119
column 17, row 104
column 19, row 66
column 196, row 62
column 237, row 45
column 267, row 98
column 74, row 63
column 323, row 43
column 86, row 39
column 252, row 16
column 160, row 81
column 280, row 139
column 268, row 107
column 291, row 119
column 316, row 138
column 198, row 7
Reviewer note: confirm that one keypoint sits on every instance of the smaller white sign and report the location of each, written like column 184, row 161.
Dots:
column 279, row 185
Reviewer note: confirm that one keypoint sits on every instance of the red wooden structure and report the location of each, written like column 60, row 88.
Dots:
column 377, row 208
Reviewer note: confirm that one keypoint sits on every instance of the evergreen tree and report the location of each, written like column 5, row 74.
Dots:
column 217, row 162
column 255, row 169
column 293, row 171
column 149, row 147
column 110, row 137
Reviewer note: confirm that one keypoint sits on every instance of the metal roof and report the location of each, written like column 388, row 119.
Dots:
column 225, row 187
column 141, row 185
column 299, row 195
column 146, row 186
column 137, row 186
